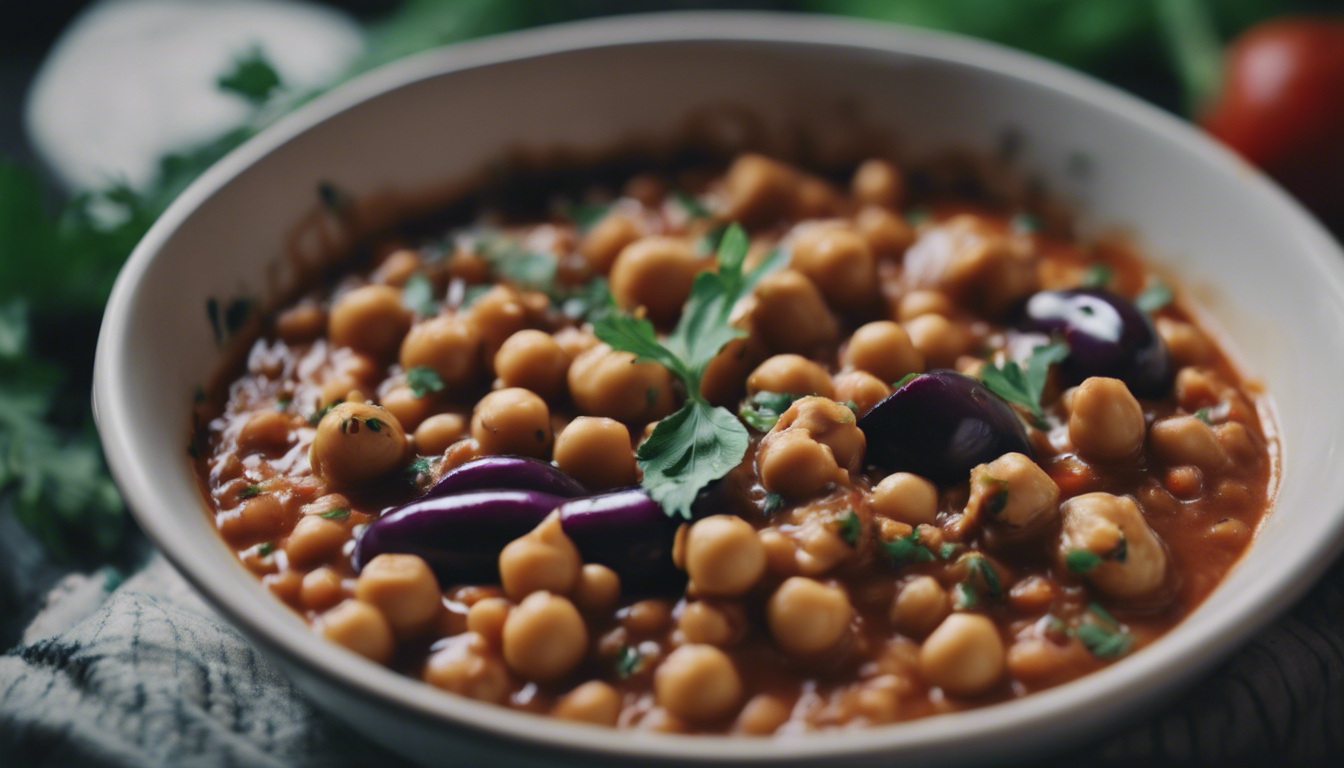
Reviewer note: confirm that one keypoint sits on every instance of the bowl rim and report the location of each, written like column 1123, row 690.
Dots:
column 1183, row 653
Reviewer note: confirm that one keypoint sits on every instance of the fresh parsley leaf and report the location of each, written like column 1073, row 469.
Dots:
column 1097, row 276
column 1101, row 613
column 709, row 242
column 509, row 261
column 423, row 381
column 250, row 492
column 907, row 549
column 948, row 551
column 1081, row 560
column 764, row 409
column 687, row 451
column 693, row 207
column 1156, row 296
column 980, row 568
column 252, row 77
column 964, row 597
column 422, row 465
column 1024, row 387
column 628, row 661
column 773, row 503
column 417, row 295
column 339, row 514
column 590, row 301
column 851, row 527
column 1203, row 415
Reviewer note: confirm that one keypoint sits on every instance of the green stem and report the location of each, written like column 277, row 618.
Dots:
column 1195, row 49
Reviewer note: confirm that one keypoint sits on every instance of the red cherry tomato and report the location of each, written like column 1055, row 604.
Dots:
column 1282, row 108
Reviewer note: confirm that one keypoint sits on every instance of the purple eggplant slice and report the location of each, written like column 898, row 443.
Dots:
column 940, row 425
column 517, row 473
column 624, row 530
column 1107, row 336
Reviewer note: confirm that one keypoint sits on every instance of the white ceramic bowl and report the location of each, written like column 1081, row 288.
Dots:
column 1248, row 258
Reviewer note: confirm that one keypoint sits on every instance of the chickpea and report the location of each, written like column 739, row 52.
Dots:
column 656, row 273
column 532, row 360
column 302, row 323
column 974, row 264
column 397, row 268
column 512, row 422
column 813, row 198
column 266, row 429
column 861, row 388
column 757, row 189
column 887, row 234
column 722, row 383
column 605, row 241
column 315, row 539
column 598, row 589
column 698, row 683
column 448, row 345
column 920, row 605
column 357, row 444
column 1239, row 442
column 409, row 409
column 1105, row 421
column 964, row 656
column 359, row 627
column 607, row 383
column 840, row 263
column 321, row 589
column 404, row 589
column 574, row 341
column 816, row 442
column 762, row 715
column 820, row 547
column 496, row 315
column 437, row 432
column 486, row 618
column 723, row 556
column 1133, row 563
column 807, row 617
column 883, row 349
column 544, row 637
column 542, row 560
column 907, row 498
column 879, row 182
column 916, row 303
column 285, row 585
column 1187, row 344
column 790, row 314
column 940, row 340
column 596, row 452
column 707, row 624
column 371, row 320
column 792, row 375
column 258, row 519
column 593, row 702
column 1188, row 440
column 466, row 666
column 646, row 616
column 1013, row 497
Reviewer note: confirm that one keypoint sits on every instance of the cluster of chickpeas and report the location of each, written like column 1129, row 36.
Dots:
column 787, row 590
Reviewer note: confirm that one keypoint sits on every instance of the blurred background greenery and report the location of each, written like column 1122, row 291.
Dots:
column 60, row 249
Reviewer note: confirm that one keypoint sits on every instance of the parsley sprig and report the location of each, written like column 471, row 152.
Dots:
column 1102, row 635
column 423, row 381
column 763, row 409
column 1024, row 386
column 699, row 443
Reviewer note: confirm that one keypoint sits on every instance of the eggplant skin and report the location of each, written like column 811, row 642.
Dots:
column 517, row 473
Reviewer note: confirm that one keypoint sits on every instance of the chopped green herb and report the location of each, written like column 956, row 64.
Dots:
column 252, row 77
column 422, row 465
column 764, row 409
column 979, row 567
column 1081, row 560
column 907, row 549
column 1203, row 415
column 904, row 380
column 773, row 503
column 339, row 514
column 1025, row 387
column 851, row 405
column 589, row 301
column 1103, row 614
column 709, row 242
column 586, row 215
column 1027, row 223
column 374, row 424
column 317, row 416
column 964, row 597
column 332, row 197
column 418, row 296
column 264, row 550
column 699, row 443
column 512, row 263
column 1103, row 642
column 998, row 495
column 948, row 551
column 851, row 527
column 694, row 208
column 1156, row 296
column 423, row 381
column 282, row 402
column 250, row 491
column 918, row 215
column 1097, row 276
column 628, row 661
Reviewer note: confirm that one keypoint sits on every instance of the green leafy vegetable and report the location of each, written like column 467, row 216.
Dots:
column 1203, row 415
column 907, row 549
column 339, row 514
column 1097, row 276
column 964, row 597
column 252, row 77
column 773, row 503
column 418, row 296
column 850, row 527
column 1024, row 387
column 763, row 410
column 980, row 568
column 250, row 492
column 419, row 467
column 628, row 661
column 948, row 550
column 699, row 443
column 423, row 381
column 264, row 550
column 1081, row 560
column 1156, row 296
column 1104, row 637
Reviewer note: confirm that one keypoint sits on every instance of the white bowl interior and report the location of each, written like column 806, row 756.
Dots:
column 1246, row 257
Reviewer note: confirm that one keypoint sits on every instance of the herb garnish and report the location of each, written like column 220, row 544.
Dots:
column 978, row 566
column 1097, row 276
column 851, row 527
column 250, row 492
column 773, row 503
column 585, row 215
column 373, row 424
column 764, row 409
column 422, row 465
column 948, row 550
column 1024, row 387
column 907, row 549
column 964, row 597
column 904, row 380
column 694, row 208
column 339, row 514
column 1203, row 415
column 1027, row 223
column 1105, row 638
column 532, row 270
column 699, row 443
column 282, row 402
column 317, row 416
column 1081, row 560
column 418, row 296
column 1156, row 296
column 628, row 661
column 264, row 550
column 423, row 380
column 252, row 77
